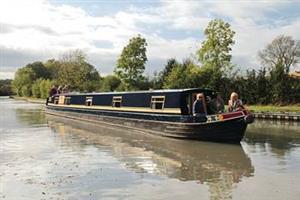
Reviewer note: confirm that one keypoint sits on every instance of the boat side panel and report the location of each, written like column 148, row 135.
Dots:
column 119, row 113
column 231, row 131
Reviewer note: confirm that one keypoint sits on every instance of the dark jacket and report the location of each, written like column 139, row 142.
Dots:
column 52, row 92
column 198, row 107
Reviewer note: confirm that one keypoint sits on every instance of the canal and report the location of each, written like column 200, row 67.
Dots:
column 46, row 157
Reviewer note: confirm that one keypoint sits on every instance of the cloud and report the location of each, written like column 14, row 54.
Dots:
column 39, row 30
column 7, row 75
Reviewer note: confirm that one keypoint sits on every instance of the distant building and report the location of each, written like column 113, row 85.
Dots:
column 295, row 74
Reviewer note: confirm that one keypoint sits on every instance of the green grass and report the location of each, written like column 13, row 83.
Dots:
column 274, row 108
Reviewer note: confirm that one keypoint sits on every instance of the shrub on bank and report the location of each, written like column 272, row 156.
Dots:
column 40, row 88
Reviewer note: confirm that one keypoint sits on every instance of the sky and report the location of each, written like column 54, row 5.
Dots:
column 38, row 30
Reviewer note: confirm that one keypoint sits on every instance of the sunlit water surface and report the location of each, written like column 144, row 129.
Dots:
column 45, row 157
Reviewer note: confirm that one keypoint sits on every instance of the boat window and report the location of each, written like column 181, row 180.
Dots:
column 117, row 101
column 56, row 100
column 67, row 100
column 89, row 101
column 157, row 102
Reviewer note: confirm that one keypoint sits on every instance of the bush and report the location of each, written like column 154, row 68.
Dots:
column 45, row 86
column 35, row 88
column 26, row 91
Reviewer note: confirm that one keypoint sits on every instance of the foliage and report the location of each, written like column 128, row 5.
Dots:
column 294, row 90
column 272, row 84
column 278, row 57
column 110, row 83
column 131, row 63
column 155, row 82
column 39, row 69
column 53, row 67
column 215, row 56
column 185, row 75
column 283, row 52
column 35, row 79
column 45, row 86
column 77, row 73
column 35, row 89
column 215, row 50
column 26, row 91
column 40, row 88
column 5, row 87
column 160, row 78
column 263, row 88
column 24, row 78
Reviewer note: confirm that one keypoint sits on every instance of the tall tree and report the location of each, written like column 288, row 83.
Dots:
column 162, row 76
column 171, row 63
column 131, row 63
column 278, row 57
column 215, row 55
column 76, row 72
column 53, row 66
column 24, row 78
column 215, row 50
column 39, row 69
column 282, row 52
column 263, row 87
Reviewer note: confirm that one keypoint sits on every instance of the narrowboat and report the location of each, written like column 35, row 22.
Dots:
column 161, row 112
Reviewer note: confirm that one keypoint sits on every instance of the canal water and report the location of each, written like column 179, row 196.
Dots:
column 46, row 157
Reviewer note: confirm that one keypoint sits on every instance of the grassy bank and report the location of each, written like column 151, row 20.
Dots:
column 274, row 108
column 29, row 99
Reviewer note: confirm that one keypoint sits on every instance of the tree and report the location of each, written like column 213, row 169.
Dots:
column 215, row 50
column 283, row 52
column 263, row 87
column 131, row 63
column 35, row 89
column 215, row 56
column 76, row 72
column 110, row 83
column 53, row 67
column 278, row 57
column 45, row 86
column 185, row 75
column 294, row 92
column 160, row 79
column 5, row 87
column 39, row 69
column 24, row 78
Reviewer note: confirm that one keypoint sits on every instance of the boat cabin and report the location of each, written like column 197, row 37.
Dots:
column 175, row 101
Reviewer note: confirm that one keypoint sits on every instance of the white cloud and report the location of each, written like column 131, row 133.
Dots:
column 37, row 30
column 7, row 75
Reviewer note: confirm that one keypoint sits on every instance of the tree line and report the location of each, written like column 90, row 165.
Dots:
column 5, row 87
column 212, row 68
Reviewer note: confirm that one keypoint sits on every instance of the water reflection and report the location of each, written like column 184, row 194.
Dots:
column 220, row 166
column 31, row 117
column 279, row 137
column 54, row 158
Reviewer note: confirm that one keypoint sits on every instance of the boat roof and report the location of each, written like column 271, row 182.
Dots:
column 148, row 91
